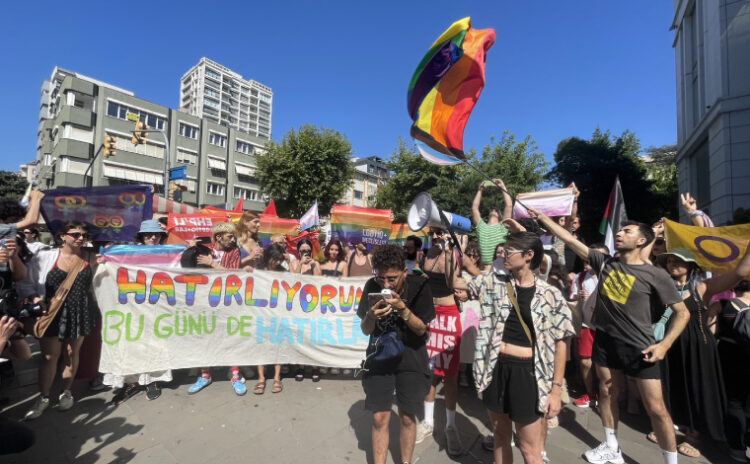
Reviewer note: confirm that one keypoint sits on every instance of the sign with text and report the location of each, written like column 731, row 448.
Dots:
column 159, row 318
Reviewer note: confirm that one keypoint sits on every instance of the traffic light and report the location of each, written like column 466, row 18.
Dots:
column 108, row 147
column 175, row 191
column 138, row 135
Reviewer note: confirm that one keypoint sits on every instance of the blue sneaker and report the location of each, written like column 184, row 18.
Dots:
column 199, row 385
column 239, row 387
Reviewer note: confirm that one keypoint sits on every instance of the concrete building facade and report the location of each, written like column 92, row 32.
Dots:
column 218, row 94
column 77, row 112
column 370, row 173
column 712, row 60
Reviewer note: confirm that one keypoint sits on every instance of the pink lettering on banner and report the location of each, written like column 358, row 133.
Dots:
column 445, row 340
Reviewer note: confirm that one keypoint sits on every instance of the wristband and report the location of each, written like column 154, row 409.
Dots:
column 407, row 316
column 697, row 212
column 559, row 384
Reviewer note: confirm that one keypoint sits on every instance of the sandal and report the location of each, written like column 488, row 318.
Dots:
column 153, row 391
column 260, row 388
column 315, row 375
column 686, row 449
column 652, row 438
column 277, row 386
column 299, row 376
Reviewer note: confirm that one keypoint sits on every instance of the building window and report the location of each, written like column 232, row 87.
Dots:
column 211, row 73
column 186, row 157
column 119, row 111
column 211, row 92
column 190, row 184
column 244, row 147
column 215, row 189
column 217, row 139
column 245, row 193
column 188, row 131
column 147, row 149
column 357, row 195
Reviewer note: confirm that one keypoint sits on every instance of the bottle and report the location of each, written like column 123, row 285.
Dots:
column 3, row 264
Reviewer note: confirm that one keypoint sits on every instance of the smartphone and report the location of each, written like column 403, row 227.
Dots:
column 376, row 299
column 488, row 183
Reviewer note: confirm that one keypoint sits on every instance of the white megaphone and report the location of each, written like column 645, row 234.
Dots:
column 424, row 212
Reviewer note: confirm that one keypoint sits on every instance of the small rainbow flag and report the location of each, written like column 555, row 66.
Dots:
column 446, row 86
column 272, row 225
column 399, row 232
column 354, row 224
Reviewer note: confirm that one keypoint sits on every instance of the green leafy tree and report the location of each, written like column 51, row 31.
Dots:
column 309, row 164
column 12, row 185
column 661, row 169
column 453, row 187
column 593, row 165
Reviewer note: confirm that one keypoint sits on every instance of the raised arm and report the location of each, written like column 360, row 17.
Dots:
column 475, row 216
column 32, row 214
column 507, row 199
column 726, row 281
column 560, row 232
column 691, row 208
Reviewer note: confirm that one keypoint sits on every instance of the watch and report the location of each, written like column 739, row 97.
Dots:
column 406, row 318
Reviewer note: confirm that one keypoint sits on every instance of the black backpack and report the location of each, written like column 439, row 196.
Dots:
column 737, row 310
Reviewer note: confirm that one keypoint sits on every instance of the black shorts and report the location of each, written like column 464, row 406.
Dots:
column 410, row 379
column 513, row 390
column 618, row 355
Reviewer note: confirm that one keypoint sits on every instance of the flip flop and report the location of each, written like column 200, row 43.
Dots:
column 652, row 438
column 277, row 386
column 259, row 388
column 686, row 449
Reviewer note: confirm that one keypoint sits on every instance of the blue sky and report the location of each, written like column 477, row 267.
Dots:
column 557, row 69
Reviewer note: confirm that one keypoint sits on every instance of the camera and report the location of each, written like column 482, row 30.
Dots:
column 305, row 253
column 9, row 307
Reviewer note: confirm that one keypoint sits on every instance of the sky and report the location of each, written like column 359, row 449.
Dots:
column 556, row 70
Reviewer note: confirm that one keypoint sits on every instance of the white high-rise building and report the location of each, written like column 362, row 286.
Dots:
column 214, row 92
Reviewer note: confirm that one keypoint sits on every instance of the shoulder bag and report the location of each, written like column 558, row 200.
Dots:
column 55, row 303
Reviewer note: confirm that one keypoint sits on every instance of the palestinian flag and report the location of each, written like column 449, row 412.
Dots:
column 614, row 216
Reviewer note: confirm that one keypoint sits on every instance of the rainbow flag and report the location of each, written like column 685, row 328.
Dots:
column 272, row 225
column 231, row 215
column 144, row 255
column 399, row 232
column 446, row 86
column 354, row 224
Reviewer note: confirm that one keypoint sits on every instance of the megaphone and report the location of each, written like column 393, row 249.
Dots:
column 424, row 212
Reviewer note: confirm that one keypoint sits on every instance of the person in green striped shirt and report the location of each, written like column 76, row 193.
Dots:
column 492, row 232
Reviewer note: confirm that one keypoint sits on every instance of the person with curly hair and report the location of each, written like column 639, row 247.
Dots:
column 335, row 264
column 405, row 312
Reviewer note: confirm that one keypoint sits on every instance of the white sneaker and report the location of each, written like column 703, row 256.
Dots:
column 424, row 430
column 66, row 401
column 452, row 441
column 40, row 405
column 603, row 454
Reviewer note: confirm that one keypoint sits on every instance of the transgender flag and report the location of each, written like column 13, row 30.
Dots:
column 310, row 218
column 144, row 255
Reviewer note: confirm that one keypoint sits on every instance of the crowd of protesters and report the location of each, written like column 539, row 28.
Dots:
column 637, row 322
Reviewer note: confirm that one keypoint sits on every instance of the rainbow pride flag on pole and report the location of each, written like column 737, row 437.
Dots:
column 446, row 86
column 272, row 225
column 354, row 224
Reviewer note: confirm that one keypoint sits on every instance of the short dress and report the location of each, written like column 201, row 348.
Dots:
column 75, row 318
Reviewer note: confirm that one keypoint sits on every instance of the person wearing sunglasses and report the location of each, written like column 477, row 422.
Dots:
column 75, row 318
column 440, row 265
column 406, row 311
column 225, row 255
column 149, row 234
column 524, row 327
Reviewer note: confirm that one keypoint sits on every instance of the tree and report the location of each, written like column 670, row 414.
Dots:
column 453, row 187
column 309, row 164
column 593, row 165
column 661, row 168
column 12, row 185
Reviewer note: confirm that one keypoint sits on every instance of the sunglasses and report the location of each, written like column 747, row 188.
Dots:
column 383, row 279
column 510, row 251
column 474, row 256
column 152, row 234
column 77, row 235
column 437, row 232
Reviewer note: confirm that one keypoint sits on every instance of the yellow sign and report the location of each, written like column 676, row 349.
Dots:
column 717, row 249
column 131, row 116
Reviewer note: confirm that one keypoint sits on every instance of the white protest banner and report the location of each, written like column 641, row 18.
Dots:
column 556, row 202
column 160, row 318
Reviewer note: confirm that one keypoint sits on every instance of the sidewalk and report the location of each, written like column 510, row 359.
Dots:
column 308, row 422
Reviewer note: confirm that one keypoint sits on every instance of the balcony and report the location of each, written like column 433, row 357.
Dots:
column 76, row 116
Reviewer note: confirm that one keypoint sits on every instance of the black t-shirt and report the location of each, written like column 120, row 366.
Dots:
column 419, row 301
column 631, row 298
column 513, row 332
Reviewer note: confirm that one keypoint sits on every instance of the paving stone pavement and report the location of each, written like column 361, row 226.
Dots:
column 308, row 422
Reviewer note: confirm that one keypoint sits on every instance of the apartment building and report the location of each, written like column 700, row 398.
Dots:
column 77, row 112
column 218, row 94
column 370, row 173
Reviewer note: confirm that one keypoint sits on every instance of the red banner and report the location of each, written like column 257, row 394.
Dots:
column 187, row 226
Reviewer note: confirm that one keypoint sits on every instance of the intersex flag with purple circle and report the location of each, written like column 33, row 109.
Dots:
column 444, row 89
column 717, row 249
column 111, row 213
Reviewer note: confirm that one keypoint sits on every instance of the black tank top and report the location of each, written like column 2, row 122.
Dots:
column 513, row 332
column 437, row 284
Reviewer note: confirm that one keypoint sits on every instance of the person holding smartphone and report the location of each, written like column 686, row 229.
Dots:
column 306, row 264
column 407, row 310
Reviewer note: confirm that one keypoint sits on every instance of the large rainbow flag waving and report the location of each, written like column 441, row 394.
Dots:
column 446, row 85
